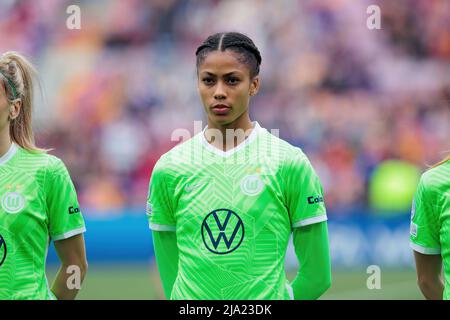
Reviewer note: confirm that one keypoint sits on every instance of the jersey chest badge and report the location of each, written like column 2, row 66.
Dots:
column 252, row 185
column 12, row 202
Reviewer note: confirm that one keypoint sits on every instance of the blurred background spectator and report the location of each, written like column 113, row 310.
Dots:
column 350, row 97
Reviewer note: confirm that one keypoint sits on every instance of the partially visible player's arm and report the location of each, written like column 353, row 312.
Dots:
column 429, row 268
column 425, row 239
column 166, row 253
column 72, row 254
column 312, row 250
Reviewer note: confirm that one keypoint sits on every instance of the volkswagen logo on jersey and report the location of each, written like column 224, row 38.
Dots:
column 2, row 250
column 222, row 231
column 252, row 185
column 13, row 202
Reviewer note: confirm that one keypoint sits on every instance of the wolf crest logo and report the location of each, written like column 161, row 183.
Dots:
column 13, row 202
column 252, row 185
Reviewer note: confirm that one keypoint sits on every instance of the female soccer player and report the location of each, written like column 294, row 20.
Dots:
column 222, row 205
column 430, row 231
column 38, row 202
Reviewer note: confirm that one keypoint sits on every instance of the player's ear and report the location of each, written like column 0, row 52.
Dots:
column 14, row 109
column 254, row 86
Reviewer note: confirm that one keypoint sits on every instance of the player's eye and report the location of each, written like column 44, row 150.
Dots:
column 208, row 81
column 233, row 80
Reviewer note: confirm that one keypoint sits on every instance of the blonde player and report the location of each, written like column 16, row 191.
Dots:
column 38, row 202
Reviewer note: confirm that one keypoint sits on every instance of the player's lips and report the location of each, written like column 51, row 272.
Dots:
column 220, row 108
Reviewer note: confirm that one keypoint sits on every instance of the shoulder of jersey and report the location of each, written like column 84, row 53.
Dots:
column 178, row 151
column 437, row 176
column 290, row 151
column 41, row 160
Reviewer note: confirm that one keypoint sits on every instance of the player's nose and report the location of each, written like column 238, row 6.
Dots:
column 220, row 92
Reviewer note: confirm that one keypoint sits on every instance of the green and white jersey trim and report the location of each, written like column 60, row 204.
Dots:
column 69, row 234
column 159, row 227
column 424, row 250
column 9, row 154
column 308, row 221
column 256, row 130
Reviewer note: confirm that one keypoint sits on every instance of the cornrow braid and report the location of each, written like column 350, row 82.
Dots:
column 236, row 42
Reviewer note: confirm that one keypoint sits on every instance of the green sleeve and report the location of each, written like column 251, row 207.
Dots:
column 425, row 225
column 160, row 210
column 312, row 250
column 166, row 253
column 64, row 216
column 303, row 191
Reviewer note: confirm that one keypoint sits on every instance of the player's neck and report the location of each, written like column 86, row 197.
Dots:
column 5, row 141
column 232, row 134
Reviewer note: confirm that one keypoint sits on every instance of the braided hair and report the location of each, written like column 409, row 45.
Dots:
column 236, row 42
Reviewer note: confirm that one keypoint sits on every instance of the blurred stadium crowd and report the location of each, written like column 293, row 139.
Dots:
column 350, row 97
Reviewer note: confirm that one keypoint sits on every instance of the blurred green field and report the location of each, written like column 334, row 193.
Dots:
column 141, row 282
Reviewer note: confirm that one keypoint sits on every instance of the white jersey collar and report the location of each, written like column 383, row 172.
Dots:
column 9, row 154
column 256, row 129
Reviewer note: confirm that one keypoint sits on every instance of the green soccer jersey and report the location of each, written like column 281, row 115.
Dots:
column 37, row 203
column 430, row 217
column 233, row 213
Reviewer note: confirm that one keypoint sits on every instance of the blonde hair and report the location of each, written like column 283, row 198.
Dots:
column 441, row 162
column 17, row 76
